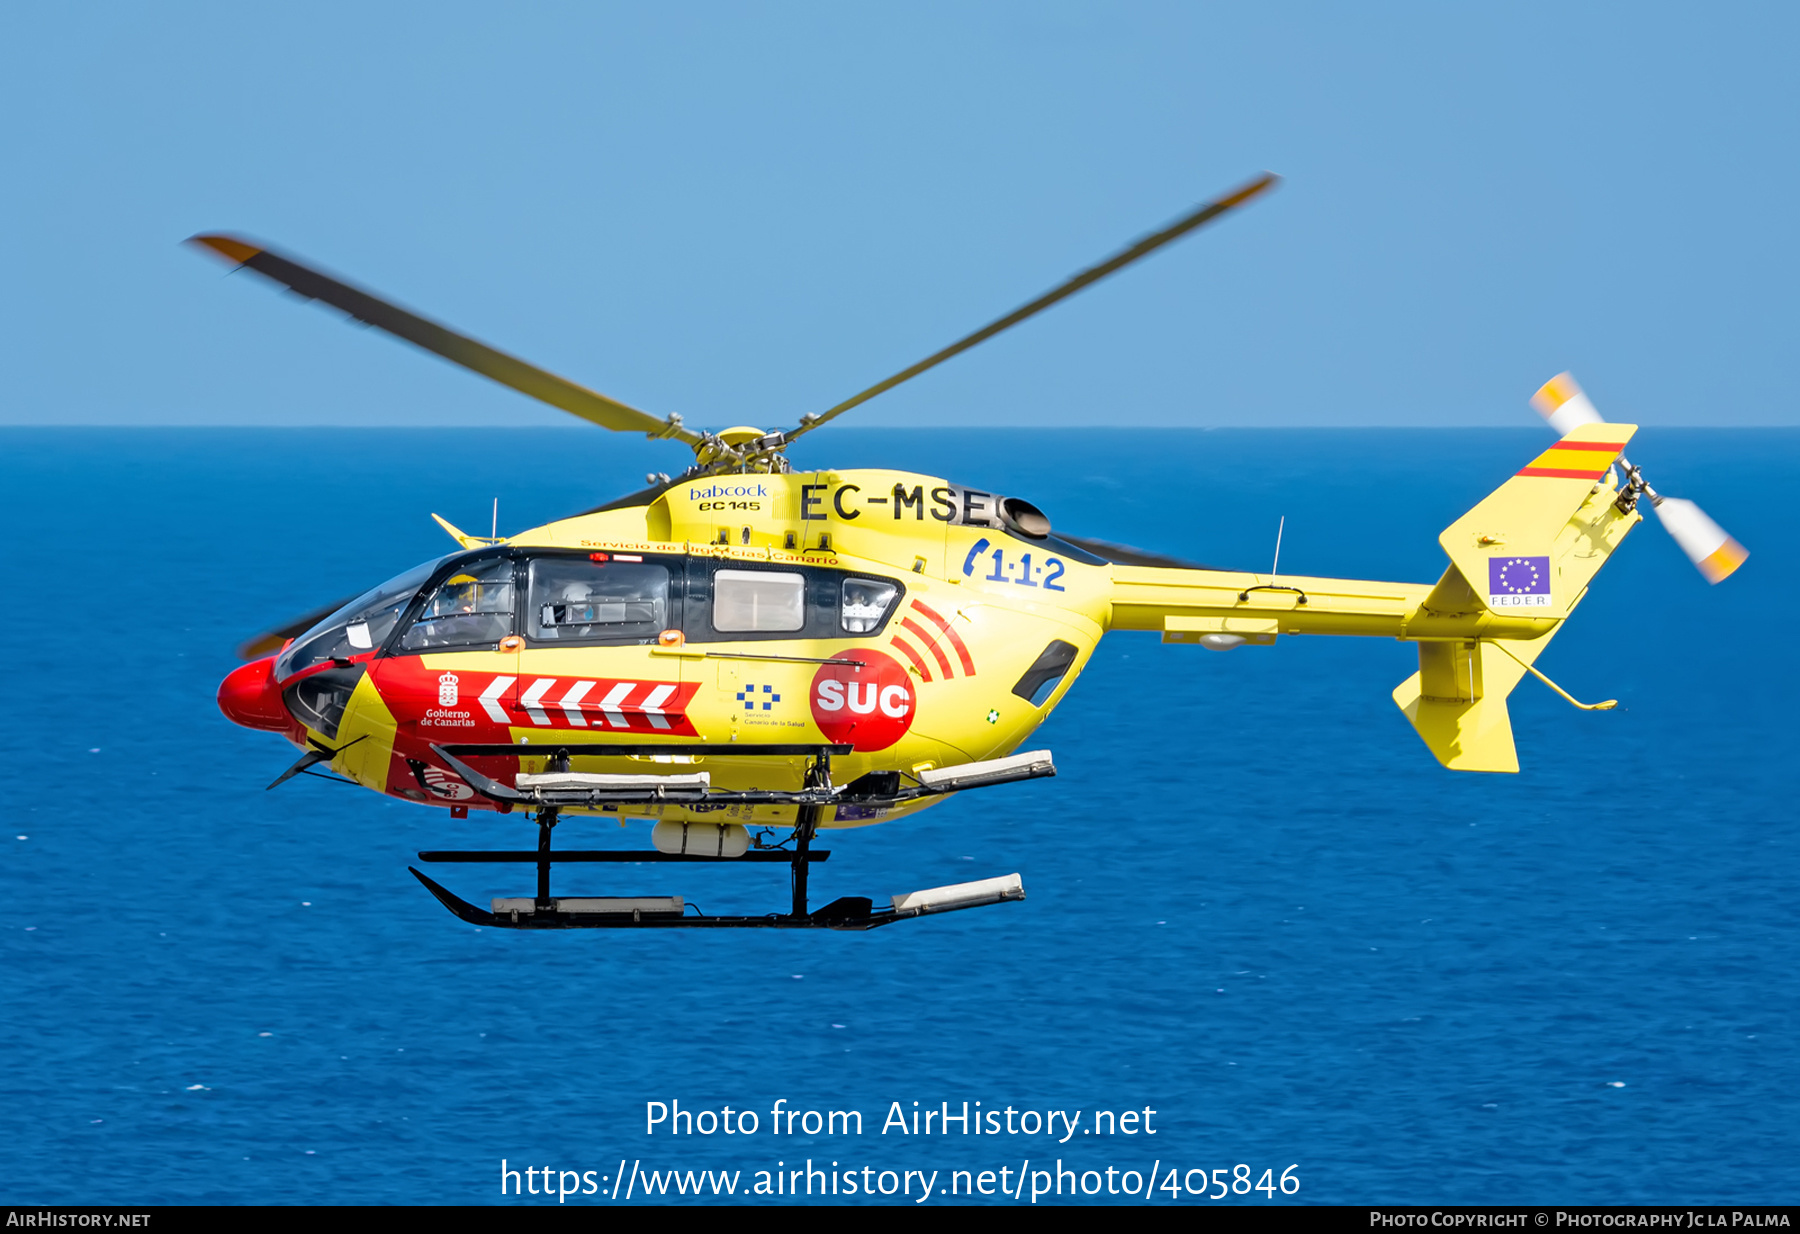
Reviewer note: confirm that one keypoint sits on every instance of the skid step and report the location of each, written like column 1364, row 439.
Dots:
column 635, row 906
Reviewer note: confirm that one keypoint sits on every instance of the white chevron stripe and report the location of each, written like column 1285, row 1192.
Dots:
column 490, row 698
column 653, row 705
column 571, row 702
column 611, row 703
column 533, row 698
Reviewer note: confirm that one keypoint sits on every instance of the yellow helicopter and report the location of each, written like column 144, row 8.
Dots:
column 745, row 650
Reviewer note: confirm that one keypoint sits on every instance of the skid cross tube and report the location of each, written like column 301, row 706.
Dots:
column 546, row 908
column 803, row 833
column 546, row 824
column 806, row 822
column 546, row 820
column 545, row 911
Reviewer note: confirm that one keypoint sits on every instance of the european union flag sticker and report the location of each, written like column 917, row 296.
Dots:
column 1518, row 582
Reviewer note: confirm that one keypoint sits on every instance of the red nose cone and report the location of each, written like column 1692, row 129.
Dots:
column 249, row 697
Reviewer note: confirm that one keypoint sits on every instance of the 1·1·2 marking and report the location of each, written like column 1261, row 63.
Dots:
column 1053, row 569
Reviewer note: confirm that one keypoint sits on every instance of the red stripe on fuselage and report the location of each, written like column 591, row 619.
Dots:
column 962, row 651
column 918, row 661
column 931, row 645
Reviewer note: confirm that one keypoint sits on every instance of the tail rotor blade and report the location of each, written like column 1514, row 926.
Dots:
column 1561, row 402
column 1714, row 553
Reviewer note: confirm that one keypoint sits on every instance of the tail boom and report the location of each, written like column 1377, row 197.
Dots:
column 1520, row 562
column 1180, row 602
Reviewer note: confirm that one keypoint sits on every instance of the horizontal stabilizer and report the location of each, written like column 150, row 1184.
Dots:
column 462, row 537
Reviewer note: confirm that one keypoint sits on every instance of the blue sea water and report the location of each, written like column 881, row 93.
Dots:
column 1256, row 905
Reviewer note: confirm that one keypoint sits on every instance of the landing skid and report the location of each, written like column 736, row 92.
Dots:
column 546, row 912
column 667, row 913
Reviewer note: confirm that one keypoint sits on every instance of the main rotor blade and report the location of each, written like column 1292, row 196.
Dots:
column 273, row 640
column 1126, row 555
column 1149, row 244
column 457, row 348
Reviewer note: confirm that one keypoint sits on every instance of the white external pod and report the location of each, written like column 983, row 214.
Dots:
column 961, row 895
column 1031, row 764
column 701, row 839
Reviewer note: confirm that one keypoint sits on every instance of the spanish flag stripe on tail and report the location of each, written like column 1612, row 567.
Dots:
column 1573, row 460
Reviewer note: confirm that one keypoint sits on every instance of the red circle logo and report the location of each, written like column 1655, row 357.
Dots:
column 863, row 698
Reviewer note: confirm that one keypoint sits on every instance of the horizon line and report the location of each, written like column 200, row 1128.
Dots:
column 853, row 428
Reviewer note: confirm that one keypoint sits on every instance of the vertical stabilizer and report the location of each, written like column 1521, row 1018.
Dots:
column 1457, row 701
column 1527, row 551
column 1507, row 547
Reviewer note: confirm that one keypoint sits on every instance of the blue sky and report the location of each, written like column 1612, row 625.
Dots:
column 747, row 212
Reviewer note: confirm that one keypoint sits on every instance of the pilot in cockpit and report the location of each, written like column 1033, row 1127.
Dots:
column 456, row 613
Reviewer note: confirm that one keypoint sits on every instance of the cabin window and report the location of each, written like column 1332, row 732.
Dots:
column 755, row 600
column 360, row 625
column 1046, row 672
column 866, row 602
column 319, row 701
column 471, row 608
column 573, row 599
